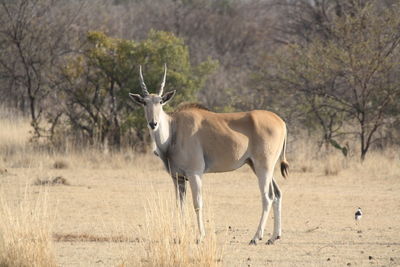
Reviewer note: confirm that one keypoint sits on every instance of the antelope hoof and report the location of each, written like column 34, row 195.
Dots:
column 199, row 240
column 253, row 242
column 272, row 240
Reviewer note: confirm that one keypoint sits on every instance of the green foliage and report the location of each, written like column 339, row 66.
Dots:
column 336, row 145
column 100, row 79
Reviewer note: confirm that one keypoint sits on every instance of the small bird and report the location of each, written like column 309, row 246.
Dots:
column 358, row 214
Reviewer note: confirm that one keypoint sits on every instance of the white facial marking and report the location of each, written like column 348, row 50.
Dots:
column 152, row 110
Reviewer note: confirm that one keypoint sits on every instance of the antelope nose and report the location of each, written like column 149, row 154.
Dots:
column 152, row 125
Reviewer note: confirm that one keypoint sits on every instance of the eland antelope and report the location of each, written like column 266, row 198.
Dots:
column 193, row 141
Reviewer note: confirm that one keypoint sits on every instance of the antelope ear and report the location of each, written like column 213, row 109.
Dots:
column 137, row 99
column 167, row 97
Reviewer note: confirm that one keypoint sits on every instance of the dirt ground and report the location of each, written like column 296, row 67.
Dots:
column 318, row 214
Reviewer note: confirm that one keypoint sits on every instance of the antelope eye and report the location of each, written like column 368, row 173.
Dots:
column 160, row 102
column 144, row 103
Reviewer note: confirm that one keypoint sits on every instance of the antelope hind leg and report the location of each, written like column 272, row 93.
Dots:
column 277, row 206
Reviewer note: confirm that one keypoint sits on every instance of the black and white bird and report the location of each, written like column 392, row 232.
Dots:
column 358, row 214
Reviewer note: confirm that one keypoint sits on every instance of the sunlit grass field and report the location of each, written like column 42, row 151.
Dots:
column 99, row 208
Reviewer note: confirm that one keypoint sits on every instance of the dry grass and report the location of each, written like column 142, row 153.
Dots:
column 334, row 164
column 170, row 236
column 14, row 138
column 25, row 228
column 16, row 151
column 304, row 158
column 25, row 225
column 307, row 157
column 112, row 215
column 379, row 163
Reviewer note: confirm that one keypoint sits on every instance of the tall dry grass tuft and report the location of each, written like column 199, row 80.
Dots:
column 14, row 135
column 334, row 163
column 385, row 163
column 171, row 236
column 302, row 156
column 25, row 228
column 17, row 150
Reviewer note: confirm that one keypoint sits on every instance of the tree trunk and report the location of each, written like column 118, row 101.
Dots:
column 364, row 146
column 115, row 127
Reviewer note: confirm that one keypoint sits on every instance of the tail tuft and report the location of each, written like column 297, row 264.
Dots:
column 285, row 168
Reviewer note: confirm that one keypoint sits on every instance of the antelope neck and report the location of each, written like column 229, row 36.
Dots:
column 162, row 135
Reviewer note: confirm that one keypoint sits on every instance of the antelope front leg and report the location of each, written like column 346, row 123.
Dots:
column 180, row 190
column 195, row 185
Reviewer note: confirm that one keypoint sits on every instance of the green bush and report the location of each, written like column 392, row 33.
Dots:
column 97, row 82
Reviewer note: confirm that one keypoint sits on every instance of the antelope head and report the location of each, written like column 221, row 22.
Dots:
column 152, row 103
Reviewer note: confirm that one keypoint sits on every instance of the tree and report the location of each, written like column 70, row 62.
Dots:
column 97, row 82
column 31, row 42
column 234, row 32
column 354, row 73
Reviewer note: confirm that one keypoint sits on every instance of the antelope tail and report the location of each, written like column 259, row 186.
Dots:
column 284, row 163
